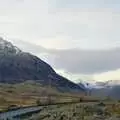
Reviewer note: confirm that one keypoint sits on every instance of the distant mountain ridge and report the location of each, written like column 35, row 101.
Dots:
column 110, row 88
column 95, row 84
column 18, row 66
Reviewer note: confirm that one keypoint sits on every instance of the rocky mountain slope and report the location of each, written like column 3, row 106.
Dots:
column 17, row 66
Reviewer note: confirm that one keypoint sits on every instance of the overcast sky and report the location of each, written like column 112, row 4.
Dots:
column 80, row 39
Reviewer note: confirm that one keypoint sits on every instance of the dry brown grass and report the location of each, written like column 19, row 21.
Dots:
column 26, row 94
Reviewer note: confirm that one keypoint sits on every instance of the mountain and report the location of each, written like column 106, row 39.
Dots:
column 99, row 85
column 111, row 92
column 110, row 88
column 17, row 66
column 92, row 84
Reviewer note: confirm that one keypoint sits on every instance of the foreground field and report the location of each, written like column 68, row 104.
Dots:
column 29, row 94
column 84, row 111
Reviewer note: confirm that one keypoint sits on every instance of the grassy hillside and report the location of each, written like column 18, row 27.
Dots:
column 29, row 93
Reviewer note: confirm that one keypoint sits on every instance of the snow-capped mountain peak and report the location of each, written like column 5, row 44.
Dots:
column 8, row 47
column 99, row 85
column 113, row 82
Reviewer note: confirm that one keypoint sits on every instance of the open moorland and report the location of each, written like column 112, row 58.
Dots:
column 29, row 94
column 81, row 111
column 74, row 107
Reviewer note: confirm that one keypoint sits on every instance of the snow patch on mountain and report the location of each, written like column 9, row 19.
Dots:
column 7, row 46
column 100, row 85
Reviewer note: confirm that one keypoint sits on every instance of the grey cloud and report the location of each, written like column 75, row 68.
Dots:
column 87, row 61
column 43, row 19
column 26, row 46
column 76, row 60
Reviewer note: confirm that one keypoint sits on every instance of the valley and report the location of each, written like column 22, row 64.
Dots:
column 31, row 93
column 30, row 89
